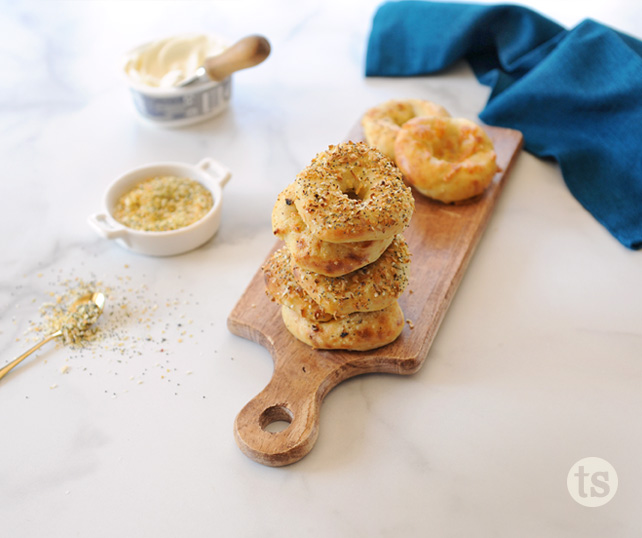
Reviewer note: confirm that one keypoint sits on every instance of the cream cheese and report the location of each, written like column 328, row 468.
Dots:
column 167, row 62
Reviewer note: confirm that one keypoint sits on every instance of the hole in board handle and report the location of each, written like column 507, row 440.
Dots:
column 276, row 419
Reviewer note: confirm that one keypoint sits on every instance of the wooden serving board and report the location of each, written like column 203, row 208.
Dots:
column 442, row 239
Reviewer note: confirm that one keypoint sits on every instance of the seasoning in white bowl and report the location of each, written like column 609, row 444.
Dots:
column 177, row 211
column 163, row 203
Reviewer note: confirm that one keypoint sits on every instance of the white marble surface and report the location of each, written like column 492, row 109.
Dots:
column 537, row 364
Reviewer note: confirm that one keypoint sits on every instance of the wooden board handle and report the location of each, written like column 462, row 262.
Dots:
column 302, row 378
column 272, row 405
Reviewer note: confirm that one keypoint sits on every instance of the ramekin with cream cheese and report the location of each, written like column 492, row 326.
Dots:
column 155, row 69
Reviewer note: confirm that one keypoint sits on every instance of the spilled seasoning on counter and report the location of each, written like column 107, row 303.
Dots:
column 134, row 343
column 163, row 203
column 77, row 326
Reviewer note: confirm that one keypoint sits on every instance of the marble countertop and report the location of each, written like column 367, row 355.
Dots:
column 537, row 364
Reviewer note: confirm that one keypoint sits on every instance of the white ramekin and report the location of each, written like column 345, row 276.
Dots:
column 209, row 173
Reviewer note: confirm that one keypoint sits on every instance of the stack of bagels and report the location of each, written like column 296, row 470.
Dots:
column 345, row 262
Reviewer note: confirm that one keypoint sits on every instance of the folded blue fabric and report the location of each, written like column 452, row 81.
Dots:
column 576, row 95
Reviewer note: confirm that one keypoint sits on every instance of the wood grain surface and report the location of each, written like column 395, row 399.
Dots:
column 442, row 239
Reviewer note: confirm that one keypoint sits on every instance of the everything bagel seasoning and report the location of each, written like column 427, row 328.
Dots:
column 163, row 203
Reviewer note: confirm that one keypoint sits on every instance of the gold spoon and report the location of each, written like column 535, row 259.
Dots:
column 97, row 299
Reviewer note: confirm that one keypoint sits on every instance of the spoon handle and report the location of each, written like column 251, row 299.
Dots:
column 5, row 370
column 247, row 52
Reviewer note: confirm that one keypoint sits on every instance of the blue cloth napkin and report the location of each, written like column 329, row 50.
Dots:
column 576, row 95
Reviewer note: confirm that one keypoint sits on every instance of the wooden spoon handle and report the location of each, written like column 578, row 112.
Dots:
column 247, row 52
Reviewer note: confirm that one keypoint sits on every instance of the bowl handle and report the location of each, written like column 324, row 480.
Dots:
column 106, row 227
column 215, row 169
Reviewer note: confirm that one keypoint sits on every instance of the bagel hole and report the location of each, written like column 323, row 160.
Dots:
column 352, row 186
column 352, row 194
column 450, row 153
column 276, row 419
column 454, row 146
column 403, row 116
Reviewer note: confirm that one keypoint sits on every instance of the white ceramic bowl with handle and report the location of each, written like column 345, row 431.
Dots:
column 208, row 172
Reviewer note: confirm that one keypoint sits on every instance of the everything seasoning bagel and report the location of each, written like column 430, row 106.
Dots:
column 313, row 254
column 352, row 192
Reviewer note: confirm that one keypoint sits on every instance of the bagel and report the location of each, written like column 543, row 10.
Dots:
column 382, row 122
column 370, row 288
column 282, row 288
column 312, row 254
column 361, row 331
column 446, row 159
column 352, row 192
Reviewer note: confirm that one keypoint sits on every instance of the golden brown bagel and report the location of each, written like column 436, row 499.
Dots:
column 447, row 159
column 361, row 331
column 352, row 192
column 382, row 122
column 370, row 288
column 312, row 254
